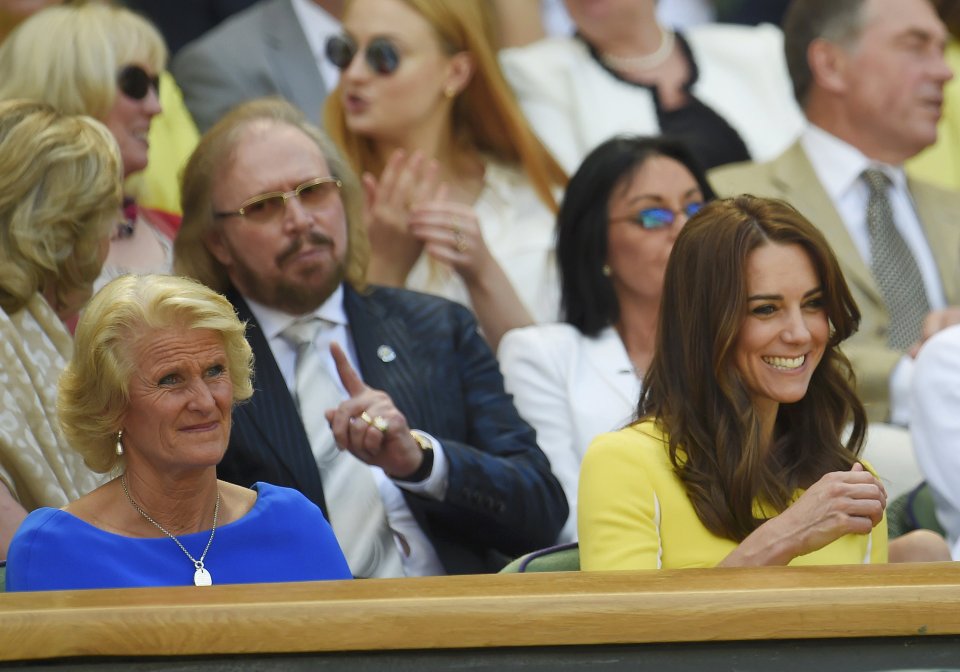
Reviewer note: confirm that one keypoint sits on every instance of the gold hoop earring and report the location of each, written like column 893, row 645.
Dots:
column 119, row 443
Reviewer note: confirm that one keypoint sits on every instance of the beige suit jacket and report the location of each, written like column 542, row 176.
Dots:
column 791, row 177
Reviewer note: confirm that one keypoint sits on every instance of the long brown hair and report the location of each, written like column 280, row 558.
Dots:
column 696, row 395
column 486, row 115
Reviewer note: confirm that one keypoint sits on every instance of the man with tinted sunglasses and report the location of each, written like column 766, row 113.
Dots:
column 275, row 47
column 401, row 432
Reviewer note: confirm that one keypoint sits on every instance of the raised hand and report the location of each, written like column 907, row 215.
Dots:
column 370, row 426
column 407, row 180
column 450, row 233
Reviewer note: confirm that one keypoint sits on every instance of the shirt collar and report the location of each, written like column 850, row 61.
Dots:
column 273, row 321
column 839, row 164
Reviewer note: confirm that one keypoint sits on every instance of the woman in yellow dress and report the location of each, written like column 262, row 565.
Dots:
column 739, row 457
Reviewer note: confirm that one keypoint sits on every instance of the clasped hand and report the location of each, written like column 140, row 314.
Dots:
column 391, row 447
column 409, row 211
column 840, row 503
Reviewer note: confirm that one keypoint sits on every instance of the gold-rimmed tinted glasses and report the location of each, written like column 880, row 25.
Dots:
column 314, row 195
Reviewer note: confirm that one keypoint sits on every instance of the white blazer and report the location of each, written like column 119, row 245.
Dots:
column 574, row 104
column 570, row 388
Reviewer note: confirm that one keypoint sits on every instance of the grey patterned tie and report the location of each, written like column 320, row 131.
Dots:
column 893, row 266
column 355, row 508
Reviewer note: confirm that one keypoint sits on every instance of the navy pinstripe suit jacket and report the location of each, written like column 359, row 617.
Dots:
column 502, row 499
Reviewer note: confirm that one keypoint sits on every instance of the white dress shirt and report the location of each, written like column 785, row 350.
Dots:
column 318, row 25
column 422, row 559
column 839, row 165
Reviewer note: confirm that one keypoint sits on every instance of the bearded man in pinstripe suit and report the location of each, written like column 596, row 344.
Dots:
column 462, row 482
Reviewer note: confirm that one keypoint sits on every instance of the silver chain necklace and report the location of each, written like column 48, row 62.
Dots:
column 201, row 577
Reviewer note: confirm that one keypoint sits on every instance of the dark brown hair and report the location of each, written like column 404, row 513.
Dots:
column 695, row 393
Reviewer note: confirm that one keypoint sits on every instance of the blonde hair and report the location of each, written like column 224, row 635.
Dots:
column 69, row 56
column 210, row 159
column 94, row 388
column 486, row 115
column 60, row 192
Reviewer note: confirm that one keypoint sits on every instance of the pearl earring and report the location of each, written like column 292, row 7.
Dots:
column 605, row 269
column 119, row 443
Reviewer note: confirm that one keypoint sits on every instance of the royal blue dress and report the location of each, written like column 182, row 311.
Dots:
column 284, row 537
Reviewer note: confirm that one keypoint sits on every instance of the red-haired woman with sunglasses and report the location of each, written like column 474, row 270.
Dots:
column 461, row 193
column 105, row 62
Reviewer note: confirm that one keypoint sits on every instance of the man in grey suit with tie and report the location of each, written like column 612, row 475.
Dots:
column 383, row 406
column 275, row 47
column 869, row 75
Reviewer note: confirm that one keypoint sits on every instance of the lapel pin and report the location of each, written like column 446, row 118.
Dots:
column 386, row 354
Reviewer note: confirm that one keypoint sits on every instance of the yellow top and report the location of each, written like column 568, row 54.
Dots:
column 634, row 513
column 940, row 163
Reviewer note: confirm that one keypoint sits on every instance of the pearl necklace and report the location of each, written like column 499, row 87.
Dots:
column 646, row 61
column 201, row 577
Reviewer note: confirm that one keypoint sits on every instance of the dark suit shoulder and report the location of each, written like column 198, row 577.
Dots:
column 413, row 307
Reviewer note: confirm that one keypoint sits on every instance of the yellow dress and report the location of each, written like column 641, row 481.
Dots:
column 635, row 514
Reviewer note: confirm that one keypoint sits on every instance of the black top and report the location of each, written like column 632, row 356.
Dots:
column 712, row 140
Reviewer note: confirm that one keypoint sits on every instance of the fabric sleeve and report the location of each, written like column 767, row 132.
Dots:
column 543, row 98
column 935, row 426
column 619, row 517
column 500, row 484
column 532, row 375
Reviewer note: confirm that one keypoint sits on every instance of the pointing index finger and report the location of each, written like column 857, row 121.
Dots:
column 351, row 380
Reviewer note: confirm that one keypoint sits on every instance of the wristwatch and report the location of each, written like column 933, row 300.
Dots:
column 426, row 465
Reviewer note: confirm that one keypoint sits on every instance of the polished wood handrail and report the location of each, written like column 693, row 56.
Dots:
column 547, row 609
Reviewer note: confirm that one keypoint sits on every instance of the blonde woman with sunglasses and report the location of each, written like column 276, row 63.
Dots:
column 461, row 195
column 105, row 62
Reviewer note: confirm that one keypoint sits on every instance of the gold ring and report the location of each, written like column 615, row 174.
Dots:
column 366, row 418
column 381, row 423
column 459, row 241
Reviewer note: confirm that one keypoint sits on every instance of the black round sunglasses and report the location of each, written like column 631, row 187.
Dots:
column 134, row 82
column 381, row 54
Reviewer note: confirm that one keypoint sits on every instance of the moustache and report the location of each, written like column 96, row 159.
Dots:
column 316, row 238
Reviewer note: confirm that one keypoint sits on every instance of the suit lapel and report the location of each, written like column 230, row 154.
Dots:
column 292, row 62
column 384, row 348
column 609, row 360
column 793, row 174
column 942, row 229
column 272, row 410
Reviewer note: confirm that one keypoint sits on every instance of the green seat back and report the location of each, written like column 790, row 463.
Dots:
column 562, row 558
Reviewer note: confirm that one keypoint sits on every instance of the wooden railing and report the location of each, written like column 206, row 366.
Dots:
column 495, row 611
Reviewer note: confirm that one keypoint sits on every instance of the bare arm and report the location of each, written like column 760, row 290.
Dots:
column 451, row 234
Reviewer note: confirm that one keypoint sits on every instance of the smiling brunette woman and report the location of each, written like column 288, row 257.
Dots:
column 737, row 458
column 160, row 361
